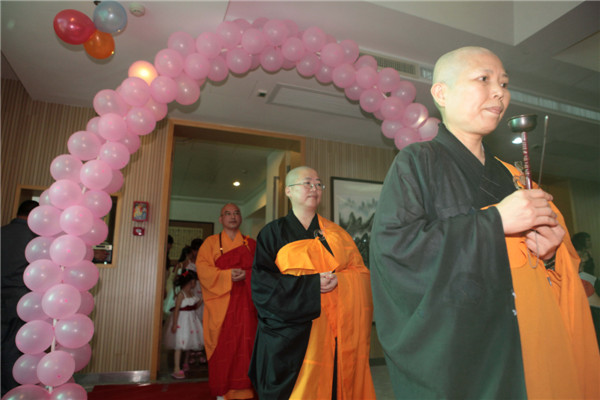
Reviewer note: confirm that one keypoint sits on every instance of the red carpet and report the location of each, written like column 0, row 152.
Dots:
column 154, row 391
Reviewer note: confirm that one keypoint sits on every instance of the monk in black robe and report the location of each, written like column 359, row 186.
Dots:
column 465, row 307
column 313, row 296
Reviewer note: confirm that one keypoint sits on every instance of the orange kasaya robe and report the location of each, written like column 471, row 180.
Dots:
column 346, row 314
column 229, row 320
column 560, row 352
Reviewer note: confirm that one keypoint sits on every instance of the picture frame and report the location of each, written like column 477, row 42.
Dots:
column 353, row 205
column 140, row 211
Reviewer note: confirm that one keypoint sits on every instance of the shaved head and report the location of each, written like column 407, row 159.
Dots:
column 448, row 67
column 292, row 176
column 229, row 206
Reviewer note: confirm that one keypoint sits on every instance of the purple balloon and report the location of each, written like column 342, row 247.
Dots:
column 34, row 337
column 61, row 301
column 116, row 154
column 87, row 303
column 84, row 145
column 83, row 276
column 96, row 174
column 67, row 250
column 69, row 391
column 41, row 275
column 65, row 193
column 30, row 308
column 56, row 368
column 75, row 331
column 27, row 392
column 98, row 202
column 76, row 220
column 25, row 368
column 66, row 166
column 97, row 234
column 38, row 248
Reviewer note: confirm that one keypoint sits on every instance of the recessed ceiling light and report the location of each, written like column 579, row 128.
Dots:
column 517, row 140
column 236, row 183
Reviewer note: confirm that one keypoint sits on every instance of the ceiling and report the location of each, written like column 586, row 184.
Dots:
column 550, row 49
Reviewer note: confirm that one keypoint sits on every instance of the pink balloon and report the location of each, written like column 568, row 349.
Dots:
column 392, row 108
column 38, row 248
column 84, row 145
column 65, row 166
column 27, row 392
column 97, row 234
column 182, row 42
column 231, row 34
column 112, row 126
column 109, row 101
column 366, row 77
column 288, row 64
column 75, row 331
column 314, row 39
column 351, row 50
column 69, row 390
column 89, row 252
column 238, row 61
column 82, row 276
column 366, row 61
column 271, row 59
column 293, row 49
column 44, row 220
column 115, row 183
column 98, row 202
column 132, row 141
column 243, row 24
column 87, row 303
column 34, row 337
column 41, row 275
column 196, row 66
column 254, row 41
column 81, row 355
column 61, row 301
column 429, row 129
column 353, row 92
column 371, row 99
column 405, row 91
column 76, row 220
column 259, row 22
column 56, row 368
column 168, row 62
column 255, row 62
column 25, row 368
column 92, row 126
column 390, row 128
column 415, row 115
column 343, row 76
column 324, row 74
column 292, row 27
column 209, row 44
column 116, row 154
column 389, row 80
column 218, row 69
column 276, row 32
column 135, row 91
column 188, row 91
column 332, row 54
column 163, row 89
column 29, row 308
column 45, row 198
column 96, row 174
column 65, row 193
column 308, row 65
column 159, row 110
column 405, row 136
column 67, row 250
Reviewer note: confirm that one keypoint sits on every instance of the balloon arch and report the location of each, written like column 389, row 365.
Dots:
column 69, row 217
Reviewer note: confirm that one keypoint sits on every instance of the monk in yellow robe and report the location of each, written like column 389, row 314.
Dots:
column 312, row 293
column 474, row 280
column 224, row 271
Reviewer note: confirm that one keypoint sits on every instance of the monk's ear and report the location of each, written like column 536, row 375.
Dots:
column 438, row 91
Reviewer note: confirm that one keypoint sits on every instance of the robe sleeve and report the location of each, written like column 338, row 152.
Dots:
column 441, row 283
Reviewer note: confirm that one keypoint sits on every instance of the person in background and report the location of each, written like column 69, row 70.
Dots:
column 169, row 246
column 474, row 281
column 313, row 296
column 224, row 269
column 183, row 331
column 15, row 237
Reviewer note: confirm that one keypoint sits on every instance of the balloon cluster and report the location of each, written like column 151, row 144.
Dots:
column 74, row 27
column 69, row 217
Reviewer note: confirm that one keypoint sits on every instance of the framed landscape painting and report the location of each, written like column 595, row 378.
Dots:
column 353, row 204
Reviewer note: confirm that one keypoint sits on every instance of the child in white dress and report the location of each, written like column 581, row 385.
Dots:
column 183, row 331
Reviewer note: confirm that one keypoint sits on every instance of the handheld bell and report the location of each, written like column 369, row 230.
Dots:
column 523, row 124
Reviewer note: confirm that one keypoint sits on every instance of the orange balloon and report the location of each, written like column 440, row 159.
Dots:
column 100, row 45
